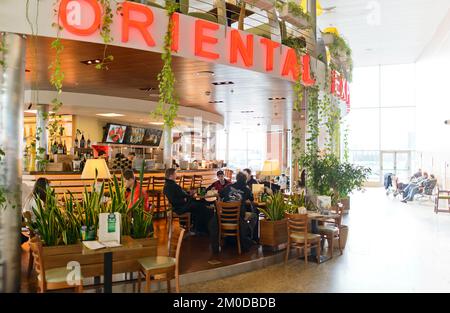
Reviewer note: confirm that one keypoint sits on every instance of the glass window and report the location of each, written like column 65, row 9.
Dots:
column 397, row 128
column 370, row 159
column 364, row 90
column 363, row 129
column 397, row 85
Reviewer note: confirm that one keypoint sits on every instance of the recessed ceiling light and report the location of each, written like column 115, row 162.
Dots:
column 90, row 62
column 223, row 83
column 205, row 73
column 156, row 123
column 110, row 114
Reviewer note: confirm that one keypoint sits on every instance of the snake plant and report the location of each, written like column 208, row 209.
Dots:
column 275, row 207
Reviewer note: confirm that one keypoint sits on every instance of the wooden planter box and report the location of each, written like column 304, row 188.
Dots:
column 288, row 16
column 92, row 264
column 262, row 4
column 273, row 233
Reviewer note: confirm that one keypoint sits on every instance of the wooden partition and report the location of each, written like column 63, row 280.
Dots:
column 63, row 182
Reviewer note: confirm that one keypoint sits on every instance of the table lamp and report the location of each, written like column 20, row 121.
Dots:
column 96, row 169
column 271, row 168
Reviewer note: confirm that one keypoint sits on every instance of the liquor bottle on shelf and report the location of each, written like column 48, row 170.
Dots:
column 82, row 142
column 88, row 142
column 64, row 148
column 76, row 141
column 60, row 148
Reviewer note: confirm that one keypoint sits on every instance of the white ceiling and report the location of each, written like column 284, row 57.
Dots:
column 398, row 34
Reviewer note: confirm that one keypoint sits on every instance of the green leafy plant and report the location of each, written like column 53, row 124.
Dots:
column 49, row 219
column 339, row 50
column 275, row 207
column 119, row 204
column 3, row 51
column 91, row 206
column 168, row 104
column 105, row 32
column 295, row 201
column 142, row 226
column 297, row 10
column 71, row 228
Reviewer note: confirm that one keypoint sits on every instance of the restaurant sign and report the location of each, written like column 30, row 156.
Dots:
column 340, row 88
column 143, row 27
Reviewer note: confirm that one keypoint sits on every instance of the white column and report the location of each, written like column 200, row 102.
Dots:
column 41, row 126
column 167, row 137
column 12, row 82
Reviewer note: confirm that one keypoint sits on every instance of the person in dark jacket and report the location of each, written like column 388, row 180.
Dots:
column 183, row 202
column 250, row 179
column 220, row 184
column 239, row 191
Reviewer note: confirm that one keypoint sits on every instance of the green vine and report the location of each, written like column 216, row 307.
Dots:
column 346, row 152
column 342, row 53
column 3, row 51
column 167, row 107
column 105, row 32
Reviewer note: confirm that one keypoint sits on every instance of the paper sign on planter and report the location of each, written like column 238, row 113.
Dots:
column 109, row 227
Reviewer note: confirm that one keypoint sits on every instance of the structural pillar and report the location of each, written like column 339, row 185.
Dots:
column 167, row 135
column 312, row 9
column 12, row 82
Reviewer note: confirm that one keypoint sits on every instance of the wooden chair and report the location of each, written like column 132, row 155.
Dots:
column 331, row 229
column 26, row 221
column 197, row 181
column 229, row 214
column 156, row 196
column 187, row 182
column 228, row 174
column 55, row 278
column 184, row 219
column 167, row 266
column 299, row 237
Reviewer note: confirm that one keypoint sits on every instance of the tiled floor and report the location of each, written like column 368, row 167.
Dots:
column 391, row 247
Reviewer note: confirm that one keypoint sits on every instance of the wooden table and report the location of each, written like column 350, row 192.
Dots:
column 315, row 218
column 128, row 244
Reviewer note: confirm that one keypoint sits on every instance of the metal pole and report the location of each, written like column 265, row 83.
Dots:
column 12, row 80
column 167, row 134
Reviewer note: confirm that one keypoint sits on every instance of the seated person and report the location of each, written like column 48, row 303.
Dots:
column 133, row 185
column 239, row 191
column 39, row 193
column 183, row 202
column 250, row 179
column 283, row 181
column 220, row 184
column 414, row 187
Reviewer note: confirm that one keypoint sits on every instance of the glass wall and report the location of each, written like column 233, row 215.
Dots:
column 382, row 118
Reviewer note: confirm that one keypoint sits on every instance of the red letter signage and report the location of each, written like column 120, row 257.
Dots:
column 245, row 50
column 270, row 46
column 201, row 38
column 291, row 65
column 63, row 13
column 142, row 26
column 175, row 32
column 306, row 74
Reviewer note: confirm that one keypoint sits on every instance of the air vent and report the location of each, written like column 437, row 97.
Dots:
column 223, row 83
column 276, row 98
column 246, row 112
column 216, row 101
column 148, row 89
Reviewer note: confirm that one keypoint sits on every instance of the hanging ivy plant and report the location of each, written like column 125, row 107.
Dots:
column 2, row 190
column 167, row 108
column 3, row 51
column 105, row 32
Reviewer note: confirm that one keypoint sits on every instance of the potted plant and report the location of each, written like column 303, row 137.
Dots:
column 142, row 222
column 296, row 203
column 118, row 203
column 89, row 210
column 274, row 226
column 293, row 13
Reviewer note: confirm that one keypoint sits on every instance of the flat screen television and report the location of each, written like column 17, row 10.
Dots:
column 152, row 137
column 135, row 135
column 115, row 133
